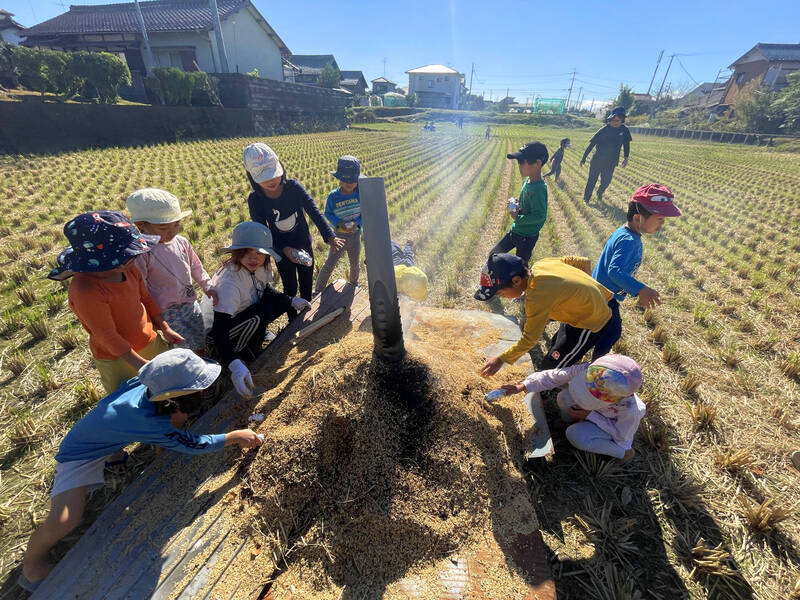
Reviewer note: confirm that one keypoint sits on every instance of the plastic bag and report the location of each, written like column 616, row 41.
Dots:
column 207, row 310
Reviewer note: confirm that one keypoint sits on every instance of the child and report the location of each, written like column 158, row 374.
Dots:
column 601, row 398
column 622, row 255
column 411, row 280
column 247, row 302
column 279, row 203
column 150, row 408
column 169, row 268
column 343, row 210
column 555, row 161
column 488, row 132
column 532, row 211
column 108, row 295
column 557, row 288
column 608, row 139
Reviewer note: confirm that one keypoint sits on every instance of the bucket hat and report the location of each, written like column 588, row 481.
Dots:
column 261, row 162
column 412, row 281
column 498, row 272
column 348, row 168
column 657, row 199
column 153, row 205
column 251, row 234
column 100, row 241
column 608, row 380
column 177, row 372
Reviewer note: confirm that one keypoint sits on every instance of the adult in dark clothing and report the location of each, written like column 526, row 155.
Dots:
column 278, row 203
column 608, row 140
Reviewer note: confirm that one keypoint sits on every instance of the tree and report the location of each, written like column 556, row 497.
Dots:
column 411, row 100
column 330, row 76
column 787, row 103
column 624, row 99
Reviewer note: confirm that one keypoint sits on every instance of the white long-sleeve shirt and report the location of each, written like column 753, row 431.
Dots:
column 620, row 419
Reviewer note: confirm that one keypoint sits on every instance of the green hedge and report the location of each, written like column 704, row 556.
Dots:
column 174, row 87
column 90, row 75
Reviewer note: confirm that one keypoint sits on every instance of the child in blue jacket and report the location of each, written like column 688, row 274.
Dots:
column 151, row 408
column 343, row 211
column 616, row 268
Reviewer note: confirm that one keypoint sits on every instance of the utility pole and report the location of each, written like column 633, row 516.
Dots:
column 658, row 96
column 507, row 90
column 591, row 108
column 470, row 78
column 569, row 94
column 580, row 97
column 653, row 78
column 149, row 62
column 223, row 55
column 384, row 67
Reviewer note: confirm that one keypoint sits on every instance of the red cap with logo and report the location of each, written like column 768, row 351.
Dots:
column 657, row 199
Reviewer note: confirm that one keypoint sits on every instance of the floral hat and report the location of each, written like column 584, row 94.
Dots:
column 100, row 241
column 608, row 380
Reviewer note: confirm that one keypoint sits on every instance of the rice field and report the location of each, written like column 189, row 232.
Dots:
column 708, row 507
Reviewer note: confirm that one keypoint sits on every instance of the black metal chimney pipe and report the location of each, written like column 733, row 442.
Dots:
column 387, row 330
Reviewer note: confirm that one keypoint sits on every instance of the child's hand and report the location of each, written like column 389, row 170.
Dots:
column 336, row 243
column 491, row 366
column 583, row 161
column 246, row 438
column 212, row 293
column 578, row 413
column 172, row 336
column 649, row 298
column 512, row 388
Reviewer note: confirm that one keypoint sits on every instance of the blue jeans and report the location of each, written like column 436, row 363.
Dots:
column 522, row 243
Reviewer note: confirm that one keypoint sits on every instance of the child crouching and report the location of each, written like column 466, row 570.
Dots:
column 600, row 401
column 149, row 408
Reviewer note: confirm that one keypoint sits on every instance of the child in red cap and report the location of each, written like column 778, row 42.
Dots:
column 622, row 255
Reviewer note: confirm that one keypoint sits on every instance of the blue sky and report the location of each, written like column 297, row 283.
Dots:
column 527, row 47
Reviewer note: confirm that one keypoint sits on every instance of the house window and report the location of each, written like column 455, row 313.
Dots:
column 739, row 78
column 430, row 83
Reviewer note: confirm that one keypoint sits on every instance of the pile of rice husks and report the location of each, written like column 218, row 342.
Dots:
column 373, row 475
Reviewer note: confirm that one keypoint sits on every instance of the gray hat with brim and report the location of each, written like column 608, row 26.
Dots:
column 252, row 236
column 178, row 372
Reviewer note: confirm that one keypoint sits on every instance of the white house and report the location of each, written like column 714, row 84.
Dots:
column 180, row 32
column 11, row 32
column 437, row 86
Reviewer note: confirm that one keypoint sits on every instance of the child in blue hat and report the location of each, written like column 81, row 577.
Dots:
column 108, row 295
column 343, row 211
column 151, row 408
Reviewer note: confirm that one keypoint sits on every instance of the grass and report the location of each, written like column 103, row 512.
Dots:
column 710, row 493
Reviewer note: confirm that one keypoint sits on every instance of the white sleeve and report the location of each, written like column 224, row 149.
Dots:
column 228, row 292
column 552, row 378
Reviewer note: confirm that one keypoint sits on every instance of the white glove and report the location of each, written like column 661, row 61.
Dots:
column 300, row 304
column 241, row 378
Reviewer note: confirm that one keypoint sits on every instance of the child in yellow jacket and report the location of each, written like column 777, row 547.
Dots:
column 561, row 289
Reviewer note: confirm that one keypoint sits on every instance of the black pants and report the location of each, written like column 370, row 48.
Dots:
column 522, row 243
column 245, row 331
column 612, row 332
column 602, row 169
column 292, row 273
column 556, row 170
column 572, row 343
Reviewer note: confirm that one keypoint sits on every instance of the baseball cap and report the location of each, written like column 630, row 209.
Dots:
column 498, row 272
column 261, row 162
column 608, row 380
column 531, row 152
column 618, row 112
column 657, row 199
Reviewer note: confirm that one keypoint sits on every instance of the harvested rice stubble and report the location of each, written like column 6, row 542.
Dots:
column 372, row 473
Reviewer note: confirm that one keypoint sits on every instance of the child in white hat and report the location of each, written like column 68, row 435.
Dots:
column 247, row 302
column 150, row 408
column 172, row 265
column 600, row 401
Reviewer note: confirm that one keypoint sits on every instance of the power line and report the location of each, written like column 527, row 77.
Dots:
column 685, row 71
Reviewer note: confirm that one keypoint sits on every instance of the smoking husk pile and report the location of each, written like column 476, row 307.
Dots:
column 373, row 476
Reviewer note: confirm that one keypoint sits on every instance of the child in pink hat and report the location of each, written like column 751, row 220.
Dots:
column 600, row 401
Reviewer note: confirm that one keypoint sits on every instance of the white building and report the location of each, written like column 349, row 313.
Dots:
column 11, row 32
column 437, row 86
column 181, row 35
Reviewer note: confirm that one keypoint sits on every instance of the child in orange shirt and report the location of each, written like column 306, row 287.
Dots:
column 108, row 295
